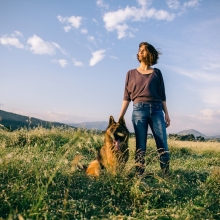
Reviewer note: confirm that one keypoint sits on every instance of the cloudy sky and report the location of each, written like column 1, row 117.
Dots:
column 66, row 60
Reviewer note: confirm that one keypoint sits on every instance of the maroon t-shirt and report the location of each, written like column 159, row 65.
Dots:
column 144, row 87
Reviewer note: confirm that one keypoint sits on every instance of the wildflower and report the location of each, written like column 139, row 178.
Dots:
column 9, row 155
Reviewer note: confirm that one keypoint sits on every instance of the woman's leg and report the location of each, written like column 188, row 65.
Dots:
column 140, row 124
column 158, row 127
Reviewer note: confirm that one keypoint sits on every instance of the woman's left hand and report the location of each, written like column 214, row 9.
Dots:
column 167, row 120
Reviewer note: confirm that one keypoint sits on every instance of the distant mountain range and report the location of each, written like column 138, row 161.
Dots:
column 15, row 121
column 197, row 133
column 99, row 125
column 102, row 125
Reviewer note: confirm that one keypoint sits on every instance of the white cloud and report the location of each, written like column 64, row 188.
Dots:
column 144, row 3
column 121, row 30
column 116, row 20
column 77, row 63
column 198, row 75
column 61, row 19
column 71, row 22
column 1, row 104
column 39, row 46
column 113, row 57
column 62, row 62
column 209, row 113
column 67, row 28
column 75, row 21
column 205, row 82
column 11, row 41
column 101, row 4
column 97, row 56
column 91, row 38
column 84, row 31
column 94, row 20
column 210, row 95
column 173, row 4
column 161, row 15
column 17, row 33
column 185, row 6
column 59, row 48
column 191, row 3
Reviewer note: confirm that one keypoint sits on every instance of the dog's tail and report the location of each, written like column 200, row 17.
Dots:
column 77, row 165
column 94, row 168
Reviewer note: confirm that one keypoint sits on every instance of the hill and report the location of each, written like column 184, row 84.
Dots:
column 197, row 133
column 14, row 121
column 191, row 131
column 99, row 125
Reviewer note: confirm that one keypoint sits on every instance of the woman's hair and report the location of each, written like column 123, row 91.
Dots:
column 152, row 53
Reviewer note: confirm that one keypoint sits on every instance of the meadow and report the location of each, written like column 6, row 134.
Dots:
column 39, row 181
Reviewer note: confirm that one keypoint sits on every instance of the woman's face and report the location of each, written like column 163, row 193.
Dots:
column 142, row 53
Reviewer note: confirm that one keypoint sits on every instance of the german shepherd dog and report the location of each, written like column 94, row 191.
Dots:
column 114, row 153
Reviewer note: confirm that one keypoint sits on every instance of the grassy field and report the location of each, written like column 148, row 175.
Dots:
column 37, row 180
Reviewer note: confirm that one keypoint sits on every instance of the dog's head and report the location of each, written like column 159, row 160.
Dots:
column 117, row 132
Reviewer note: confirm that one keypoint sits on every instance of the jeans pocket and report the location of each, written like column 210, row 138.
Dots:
column 157, row 107
column 137, row 106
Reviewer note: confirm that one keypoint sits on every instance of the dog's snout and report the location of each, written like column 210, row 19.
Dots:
column 120, row 134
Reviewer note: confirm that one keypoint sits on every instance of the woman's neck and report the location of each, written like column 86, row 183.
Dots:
column 144, row 67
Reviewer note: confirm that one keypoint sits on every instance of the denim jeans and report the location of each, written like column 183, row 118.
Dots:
column 145, row 114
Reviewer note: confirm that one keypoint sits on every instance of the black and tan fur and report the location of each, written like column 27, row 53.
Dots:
column 114, row 153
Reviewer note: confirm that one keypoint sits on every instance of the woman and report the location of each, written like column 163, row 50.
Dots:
column 145, row 87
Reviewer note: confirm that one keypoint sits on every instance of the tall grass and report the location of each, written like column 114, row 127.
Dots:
column 37, row 182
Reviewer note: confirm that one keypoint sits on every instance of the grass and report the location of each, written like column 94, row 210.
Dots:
column 36, row 181
column 198, row 147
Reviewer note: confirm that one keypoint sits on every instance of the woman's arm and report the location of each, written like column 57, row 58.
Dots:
column 167, row 118
column 124, row 107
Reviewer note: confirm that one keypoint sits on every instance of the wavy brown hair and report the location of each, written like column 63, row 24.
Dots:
column 152, row 53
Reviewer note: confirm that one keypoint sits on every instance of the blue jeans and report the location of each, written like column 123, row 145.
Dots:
column 145, row 114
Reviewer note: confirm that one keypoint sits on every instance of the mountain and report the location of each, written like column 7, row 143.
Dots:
column 98, row 125
column 197, row 133
column 191, row 131
column 16, row 121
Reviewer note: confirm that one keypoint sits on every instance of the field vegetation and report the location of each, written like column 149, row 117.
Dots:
column 38, row 179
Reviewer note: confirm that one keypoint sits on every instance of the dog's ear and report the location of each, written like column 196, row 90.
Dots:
column 122, row 121
column 111, row 120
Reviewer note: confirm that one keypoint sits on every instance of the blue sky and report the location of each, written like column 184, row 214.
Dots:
column 66, row 60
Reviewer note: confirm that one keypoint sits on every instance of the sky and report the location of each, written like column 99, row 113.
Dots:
column 66, row 61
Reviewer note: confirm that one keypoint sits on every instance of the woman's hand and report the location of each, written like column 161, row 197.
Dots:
column 167, row 120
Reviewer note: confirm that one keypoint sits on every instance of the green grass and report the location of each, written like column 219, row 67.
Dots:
column 36, row 181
